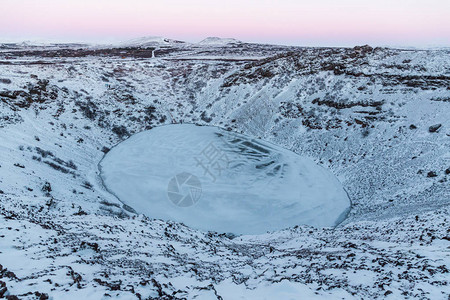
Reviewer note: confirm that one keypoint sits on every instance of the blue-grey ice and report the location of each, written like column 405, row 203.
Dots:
column 212, row 179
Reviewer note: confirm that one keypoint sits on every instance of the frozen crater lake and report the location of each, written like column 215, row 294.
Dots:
column 212, row 179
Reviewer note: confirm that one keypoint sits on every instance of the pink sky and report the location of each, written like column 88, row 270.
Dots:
column 295, row 22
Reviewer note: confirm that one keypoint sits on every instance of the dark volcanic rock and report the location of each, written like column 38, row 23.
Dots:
column 435, row 128
column 431, row 174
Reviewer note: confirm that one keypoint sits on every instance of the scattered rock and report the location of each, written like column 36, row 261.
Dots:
column 93, row 246
column 113, row 286
column 41, row 296
column 105, row 149
column 47, row 188
column 121, row 131
column 435, row 128
column 431, row 174
column 5, row 81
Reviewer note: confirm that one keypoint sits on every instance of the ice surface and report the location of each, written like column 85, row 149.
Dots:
column 212, row 179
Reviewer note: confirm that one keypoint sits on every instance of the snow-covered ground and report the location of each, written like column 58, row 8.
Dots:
column 378, row 119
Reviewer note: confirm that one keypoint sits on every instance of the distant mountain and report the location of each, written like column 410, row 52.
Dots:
column 216, row 41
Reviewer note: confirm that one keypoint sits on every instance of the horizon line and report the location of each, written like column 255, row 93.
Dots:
column 41, row 41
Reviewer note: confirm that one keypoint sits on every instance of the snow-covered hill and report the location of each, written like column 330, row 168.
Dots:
column 216, row 41
column 376, row 118
column 151, row 41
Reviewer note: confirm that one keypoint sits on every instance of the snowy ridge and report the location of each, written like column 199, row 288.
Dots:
column 150, row 41
column 216, row 41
